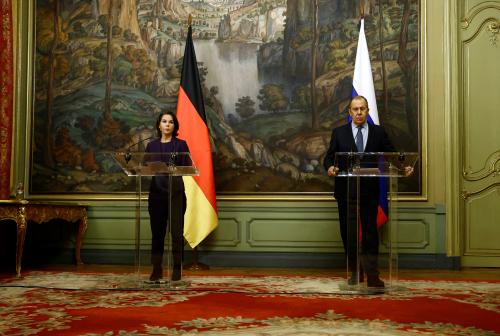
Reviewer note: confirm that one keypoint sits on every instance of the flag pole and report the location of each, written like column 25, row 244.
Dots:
column 362, row 9
column 195, row 265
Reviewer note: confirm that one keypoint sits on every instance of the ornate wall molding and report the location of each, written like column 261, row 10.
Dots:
column 491, row 167
column 477, row 144
column 492, row 24
column 493, row 28
column 474, row 11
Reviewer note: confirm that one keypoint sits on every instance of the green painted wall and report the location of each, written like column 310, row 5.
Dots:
column 266, row 226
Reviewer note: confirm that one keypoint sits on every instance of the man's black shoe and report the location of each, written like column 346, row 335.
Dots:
column 176, row 273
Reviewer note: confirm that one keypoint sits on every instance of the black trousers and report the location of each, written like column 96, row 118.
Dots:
column 350, row 234
column 158, row 214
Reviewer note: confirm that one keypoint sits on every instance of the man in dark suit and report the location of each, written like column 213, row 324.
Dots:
column 358, row 136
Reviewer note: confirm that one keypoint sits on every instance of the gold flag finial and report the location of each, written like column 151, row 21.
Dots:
column 362, row 9
column 190, row 19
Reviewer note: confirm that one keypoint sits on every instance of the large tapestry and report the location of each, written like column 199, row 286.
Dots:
column 276, row 76
column 6, row 99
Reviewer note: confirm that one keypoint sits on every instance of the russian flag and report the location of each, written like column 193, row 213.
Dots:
column 201, row 213
column 362, row 85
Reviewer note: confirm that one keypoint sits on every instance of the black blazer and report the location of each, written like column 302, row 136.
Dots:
column 159, row 184
column 342, row 140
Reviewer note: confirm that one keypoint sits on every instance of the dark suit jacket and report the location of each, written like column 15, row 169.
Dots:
column 342, row 140
column 159, row 184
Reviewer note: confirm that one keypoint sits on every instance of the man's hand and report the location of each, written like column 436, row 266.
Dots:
column 332, row 171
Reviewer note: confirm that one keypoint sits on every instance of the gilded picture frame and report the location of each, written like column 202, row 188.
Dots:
column 267, row 139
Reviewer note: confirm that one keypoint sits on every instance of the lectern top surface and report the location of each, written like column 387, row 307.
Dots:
column 155, row 163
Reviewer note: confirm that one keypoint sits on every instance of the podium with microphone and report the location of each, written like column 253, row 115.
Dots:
column 143, row 166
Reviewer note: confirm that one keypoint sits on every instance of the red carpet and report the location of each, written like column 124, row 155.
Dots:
column 44, row 303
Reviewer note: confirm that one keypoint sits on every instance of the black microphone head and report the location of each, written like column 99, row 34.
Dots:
column 401, row 156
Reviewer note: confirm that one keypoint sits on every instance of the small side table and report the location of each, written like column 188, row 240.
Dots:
column 22, row 211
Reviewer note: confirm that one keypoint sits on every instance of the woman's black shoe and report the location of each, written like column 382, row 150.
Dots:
column 157, row 273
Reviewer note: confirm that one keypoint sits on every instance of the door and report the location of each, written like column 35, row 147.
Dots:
column 479, row 132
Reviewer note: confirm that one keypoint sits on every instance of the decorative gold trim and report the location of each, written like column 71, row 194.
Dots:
column 467, row 194
column 494, row 28
column 465, row 23
column 491, row 25
column 490, row 168
column 22, row 91
column 304, row 197
column 423, row 103
column 307, row 198
column 26, row 18
column 477, row 9
column 451, row 120
column 30, row 80
column 478, row 30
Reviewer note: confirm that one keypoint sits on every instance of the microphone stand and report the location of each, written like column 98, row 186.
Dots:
column 128, row 154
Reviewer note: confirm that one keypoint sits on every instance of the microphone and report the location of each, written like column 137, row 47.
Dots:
column 128, row 155
column 401, row 156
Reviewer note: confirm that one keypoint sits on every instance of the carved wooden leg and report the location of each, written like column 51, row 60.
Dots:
column 21, row 234
column 79, row 238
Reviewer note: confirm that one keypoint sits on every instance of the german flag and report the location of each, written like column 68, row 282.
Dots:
column 201, row 213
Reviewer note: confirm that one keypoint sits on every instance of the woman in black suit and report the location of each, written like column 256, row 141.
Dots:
column 167, row 127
